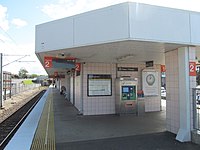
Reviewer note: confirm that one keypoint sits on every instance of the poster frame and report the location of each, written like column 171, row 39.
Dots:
column 99, row 76
column 150, row 90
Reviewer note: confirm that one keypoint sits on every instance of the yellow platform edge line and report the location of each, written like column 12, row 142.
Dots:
column 44, row 138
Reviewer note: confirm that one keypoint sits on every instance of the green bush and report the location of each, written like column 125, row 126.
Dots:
column 27, row 82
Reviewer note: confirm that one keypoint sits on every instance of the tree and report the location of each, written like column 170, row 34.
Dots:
column 33, row 75
column 23, row 73
column 14, row 76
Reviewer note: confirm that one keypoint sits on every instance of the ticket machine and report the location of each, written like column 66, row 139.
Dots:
column 126, row 95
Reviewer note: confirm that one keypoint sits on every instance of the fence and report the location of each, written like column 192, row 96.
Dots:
column 196, row 108
column 18, row 88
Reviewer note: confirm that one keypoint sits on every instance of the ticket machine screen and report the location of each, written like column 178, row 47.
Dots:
column 125, row 89
column 129, row 92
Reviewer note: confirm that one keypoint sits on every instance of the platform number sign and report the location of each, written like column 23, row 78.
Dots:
column 78, row 67
column 47, row 62
column 192, row 68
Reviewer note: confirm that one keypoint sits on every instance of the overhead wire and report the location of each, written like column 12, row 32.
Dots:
column 2, row 41
column 12, row 39
column 8, row 35
column 8, row 60
column 14, row 61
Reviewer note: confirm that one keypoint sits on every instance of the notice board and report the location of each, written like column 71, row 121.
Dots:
column 150, row 82
column 99, row 85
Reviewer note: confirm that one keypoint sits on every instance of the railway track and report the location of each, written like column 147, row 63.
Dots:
column 9, row 126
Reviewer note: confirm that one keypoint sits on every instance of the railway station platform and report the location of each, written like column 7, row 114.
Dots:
column 55, row 123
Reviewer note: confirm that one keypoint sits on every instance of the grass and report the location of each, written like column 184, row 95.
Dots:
column 27, row 82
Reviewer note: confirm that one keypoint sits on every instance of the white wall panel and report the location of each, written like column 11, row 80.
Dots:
column 54, row 35
column 195, row 28
column 97, row 105
column 159, row 23
column 121, row 22
column 172, row 97
column 71, row 90
column 68, row 88
column 104, row 25
column 78, row 92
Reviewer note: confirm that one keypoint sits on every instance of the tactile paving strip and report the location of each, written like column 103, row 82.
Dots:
column 44, row 138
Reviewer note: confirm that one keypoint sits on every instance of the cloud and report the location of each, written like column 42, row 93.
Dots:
column 12, row 52
column 4, row 24
column 9, row 48
column 65, row 8
column 19, row 22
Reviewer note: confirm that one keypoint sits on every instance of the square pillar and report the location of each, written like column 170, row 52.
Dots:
column 186, row 83
column 179, row 92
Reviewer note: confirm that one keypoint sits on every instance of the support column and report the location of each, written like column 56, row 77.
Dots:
column 185, row 54
column 172, row 88
column 81, row 86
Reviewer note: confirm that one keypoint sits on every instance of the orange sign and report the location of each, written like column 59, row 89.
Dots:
column 78, row 67
column 192, row 68
column 47, row 62
column 163, row 69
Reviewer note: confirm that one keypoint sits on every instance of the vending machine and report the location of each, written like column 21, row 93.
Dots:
column 126, row 96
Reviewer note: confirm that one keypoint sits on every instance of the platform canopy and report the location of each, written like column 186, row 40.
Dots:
column 124, row 33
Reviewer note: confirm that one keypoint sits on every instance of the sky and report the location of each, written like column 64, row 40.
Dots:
column 18, row 19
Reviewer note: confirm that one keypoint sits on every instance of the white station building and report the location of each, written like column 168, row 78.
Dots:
column 108, row 60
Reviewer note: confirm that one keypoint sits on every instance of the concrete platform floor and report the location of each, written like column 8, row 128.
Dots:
column 111, row 132
column 153, row 141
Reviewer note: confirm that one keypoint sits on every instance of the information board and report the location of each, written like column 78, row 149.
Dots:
column 150, row 83
column 99, row 85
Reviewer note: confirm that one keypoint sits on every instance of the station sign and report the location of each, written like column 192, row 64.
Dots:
column 127, row 69
column 63, row 63
column 53, row 62
column 192, row 69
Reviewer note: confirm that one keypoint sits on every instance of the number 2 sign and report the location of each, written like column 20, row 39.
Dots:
column 47, row 62
column 78, row 67
column 192, row 68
